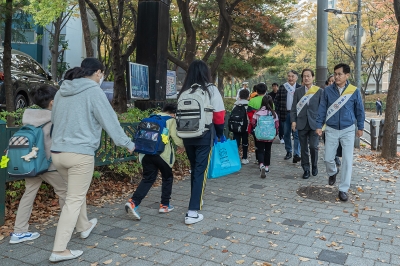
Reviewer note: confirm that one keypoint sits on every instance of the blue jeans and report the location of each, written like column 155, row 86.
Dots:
column 287, row 129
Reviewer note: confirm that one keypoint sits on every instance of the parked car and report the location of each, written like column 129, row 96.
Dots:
column 370, row 92
column 26, row 74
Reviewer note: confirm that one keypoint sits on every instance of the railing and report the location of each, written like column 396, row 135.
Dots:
column 371, row 133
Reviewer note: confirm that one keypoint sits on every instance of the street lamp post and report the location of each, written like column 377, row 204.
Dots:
column 358, row 43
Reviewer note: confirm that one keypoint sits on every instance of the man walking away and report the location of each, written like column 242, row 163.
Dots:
column 341, row 107
column 244, row 87
column 378, row 104
column 273, row 94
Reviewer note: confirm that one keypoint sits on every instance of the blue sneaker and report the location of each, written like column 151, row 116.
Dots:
column 22, row 237
column 132, row 210
column 165, row 208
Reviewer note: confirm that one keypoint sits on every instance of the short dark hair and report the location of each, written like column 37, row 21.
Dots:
column 261, row 88
column 346, row 67
column 293, row 71
column 43, row 95
column 244, row 94
column 305, row 70
column 255, row 87
column 170, row 108
column 275, row 84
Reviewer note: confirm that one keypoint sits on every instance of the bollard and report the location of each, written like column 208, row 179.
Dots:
column 3, row 172
column 380, row 135
column 373, row 134
column 356, row 139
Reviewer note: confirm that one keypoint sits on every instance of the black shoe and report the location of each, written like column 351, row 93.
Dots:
column 306, row 174
column 332, row 180
column 343, row 196
column 288, row 156
column 314, row 171
column 296, row 158
column 337, row 161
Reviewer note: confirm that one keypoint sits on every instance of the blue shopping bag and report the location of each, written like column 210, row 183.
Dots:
column 225, row 158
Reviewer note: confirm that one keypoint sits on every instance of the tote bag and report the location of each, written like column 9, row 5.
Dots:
column 225, row 159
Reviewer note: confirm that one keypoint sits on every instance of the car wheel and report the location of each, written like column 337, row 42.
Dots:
column 20, row 102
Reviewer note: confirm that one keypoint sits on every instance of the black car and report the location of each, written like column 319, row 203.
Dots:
column 26, row 74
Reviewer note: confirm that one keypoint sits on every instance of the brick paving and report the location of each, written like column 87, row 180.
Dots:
column 248, row 221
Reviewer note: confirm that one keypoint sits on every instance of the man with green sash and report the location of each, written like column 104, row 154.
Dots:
column 340, row 108
column 303, row 116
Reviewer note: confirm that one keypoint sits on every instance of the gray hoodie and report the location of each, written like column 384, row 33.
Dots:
column 80, row 112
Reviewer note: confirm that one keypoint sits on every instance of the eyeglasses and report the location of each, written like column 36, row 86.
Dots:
column 339, row 74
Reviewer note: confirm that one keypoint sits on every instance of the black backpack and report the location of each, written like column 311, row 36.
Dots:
column 237, row 122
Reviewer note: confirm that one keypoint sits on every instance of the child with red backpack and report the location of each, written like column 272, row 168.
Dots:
column 266, row 124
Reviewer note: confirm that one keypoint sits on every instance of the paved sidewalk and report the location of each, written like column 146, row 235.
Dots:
column 248, row 221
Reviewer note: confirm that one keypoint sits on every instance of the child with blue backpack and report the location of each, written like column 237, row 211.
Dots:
column 266, row 124
column 44, row 98
column 152, row 163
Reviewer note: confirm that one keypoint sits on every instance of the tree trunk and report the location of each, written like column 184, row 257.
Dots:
column 86, row 29
column 7, row 62
column 119, row 98
column 389, row 145
column 55, row 53
column 221, row 84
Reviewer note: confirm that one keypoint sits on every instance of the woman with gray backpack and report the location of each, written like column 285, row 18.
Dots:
column 200, row 117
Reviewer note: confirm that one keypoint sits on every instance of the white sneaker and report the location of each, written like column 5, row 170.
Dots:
column 85, row 234
column 245, row 161
column 74, row 254
column 193, row 220
column 22, row 237
column 262, row 170
column 282, row 141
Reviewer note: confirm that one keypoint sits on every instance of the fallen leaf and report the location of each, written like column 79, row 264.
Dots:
column 118, row 263
column 359, row 189
column 354, row 215
column 323, row 238
column 146, row 244
column 335, row 218
column 95, row 245
column 234, row 241
column 107, row 261
column 130, row 238
column 224, row 250
column 253, row 218
column 94, row 264
column 303, row 259
column 239, row 261
column 124, row 255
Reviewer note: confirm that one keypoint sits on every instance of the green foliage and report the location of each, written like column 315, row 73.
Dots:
column 229, row 103
column 16, row 114
column 135, row 115
column 15, row 189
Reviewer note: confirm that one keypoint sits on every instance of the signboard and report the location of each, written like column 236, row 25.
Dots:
column 350, row 35
column 138, row 81
column 171, row 85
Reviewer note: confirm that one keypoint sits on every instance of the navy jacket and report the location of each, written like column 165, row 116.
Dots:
column 347, row 115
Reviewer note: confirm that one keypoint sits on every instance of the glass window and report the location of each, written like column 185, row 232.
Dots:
column 38, row 70
column 24, row 64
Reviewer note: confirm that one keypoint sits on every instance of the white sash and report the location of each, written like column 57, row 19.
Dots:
column 341, row 101
column 306, row 98
column 289, row 88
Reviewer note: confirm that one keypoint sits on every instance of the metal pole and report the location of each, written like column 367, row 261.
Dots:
column 322, row 43
column 358, row 47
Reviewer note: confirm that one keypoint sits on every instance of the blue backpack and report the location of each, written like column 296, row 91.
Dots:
column 150, row 134
column 265, row 129
column 26, row 152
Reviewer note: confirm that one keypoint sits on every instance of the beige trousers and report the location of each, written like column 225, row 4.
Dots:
column 32, row 185
column 77, row 170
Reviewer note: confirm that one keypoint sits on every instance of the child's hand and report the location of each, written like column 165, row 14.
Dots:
column 180, row 150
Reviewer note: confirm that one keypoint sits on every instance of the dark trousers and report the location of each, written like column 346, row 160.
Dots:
column 309, row 140
column 255, row 144
column 379, row 110
column 151, row 164
column 281, row 129
column 264, row 152
column 199, row 157
column 243, row 138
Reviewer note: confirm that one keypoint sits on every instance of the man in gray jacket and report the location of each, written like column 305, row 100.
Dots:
column 303, row 116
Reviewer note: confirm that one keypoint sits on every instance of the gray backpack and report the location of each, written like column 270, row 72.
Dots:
column 194, row 113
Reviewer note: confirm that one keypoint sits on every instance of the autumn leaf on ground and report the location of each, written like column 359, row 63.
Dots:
column 124, row 255
column 239, row 261
column 359, row 189
column 107, row 261
column 304, row 259
column 94, row 264
column 224, row 251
